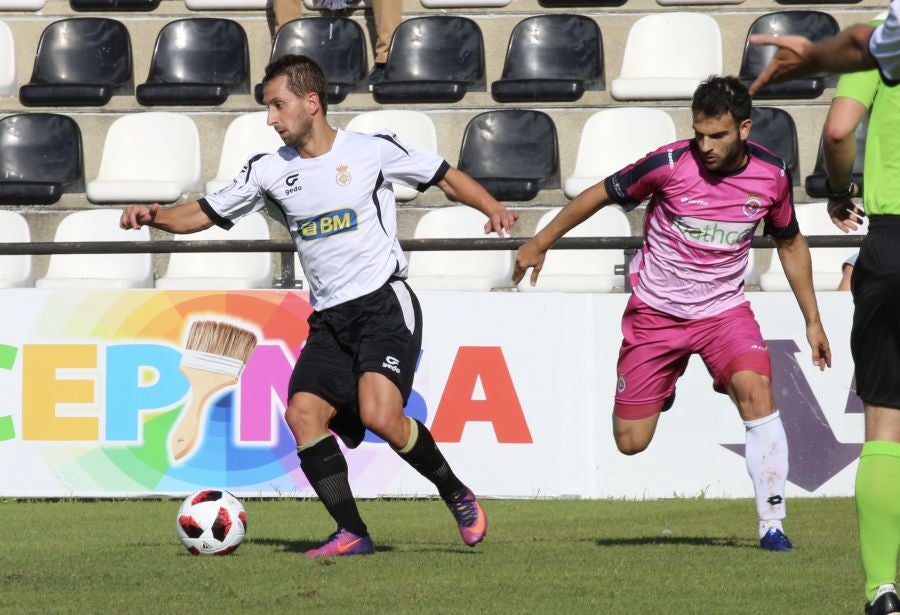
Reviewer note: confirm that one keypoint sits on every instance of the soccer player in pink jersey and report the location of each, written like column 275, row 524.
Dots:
column 706, row 197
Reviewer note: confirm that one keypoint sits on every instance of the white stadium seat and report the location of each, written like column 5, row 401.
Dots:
column 657, row 64
column 98, row 270
column 226, row 5
column 148, row 157
column 15, row 271
column 22, row 5
column 8, row 85
column 247, row 134
column 586, row 271
column 413, row 128
column 224, row 270
column 827, row 263
column 455, row 4
column 614, row 138
column 457, row 270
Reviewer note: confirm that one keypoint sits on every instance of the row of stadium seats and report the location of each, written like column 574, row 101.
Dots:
column 156, row 155
column 563, row 271
column 84, row 61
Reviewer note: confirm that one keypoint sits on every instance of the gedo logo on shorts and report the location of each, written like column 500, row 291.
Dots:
column 327, row 224
column 713, row 233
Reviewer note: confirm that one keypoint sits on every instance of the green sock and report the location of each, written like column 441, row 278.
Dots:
column 878, row 510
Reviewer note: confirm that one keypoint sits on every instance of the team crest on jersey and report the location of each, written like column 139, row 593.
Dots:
column 343, row 177
column 752, row 205
column 620, row 383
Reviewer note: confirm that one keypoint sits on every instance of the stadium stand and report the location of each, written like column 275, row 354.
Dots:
column 197, row 61
column 814, row 25
column 97, row 270
column 81, row 61
column 585, row 271
column 147, row 157
column 775, row 130
column 815, row 181
column 247, row 134
column 433, row 59
column 613, row 138
column 114, row 5
column 513, row 153
column 337, row 44
column 40, row 158
column 221, row 270
column 551, row 58
column 7, row 61
column 413, row 128
column 457, row 270
column 653, row 68
column 15, row 271
column 827, row 263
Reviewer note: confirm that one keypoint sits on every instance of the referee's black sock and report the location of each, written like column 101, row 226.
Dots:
column 422, row 453
column 325, row 468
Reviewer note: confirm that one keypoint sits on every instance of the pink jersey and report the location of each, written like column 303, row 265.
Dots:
column 699, row 225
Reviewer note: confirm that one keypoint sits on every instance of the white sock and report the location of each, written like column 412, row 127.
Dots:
column 767, row 463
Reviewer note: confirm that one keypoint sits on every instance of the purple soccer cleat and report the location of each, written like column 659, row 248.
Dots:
column 469, row 516
column 343, row 542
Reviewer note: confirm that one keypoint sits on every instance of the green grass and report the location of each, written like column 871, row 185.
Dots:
column 546, row 556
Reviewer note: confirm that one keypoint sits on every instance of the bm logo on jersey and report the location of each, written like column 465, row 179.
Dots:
column 327, row 224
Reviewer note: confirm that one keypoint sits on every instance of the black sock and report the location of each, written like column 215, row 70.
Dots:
column 425, row 457
column 325, row 468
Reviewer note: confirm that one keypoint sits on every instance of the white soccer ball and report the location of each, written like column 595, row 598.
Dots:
column 211, row 522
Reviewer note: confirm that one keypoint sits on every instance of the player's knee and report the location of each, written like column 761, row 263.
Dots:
column 304, row 416
column 630, row 443
column 756, row 402
column 387, row 425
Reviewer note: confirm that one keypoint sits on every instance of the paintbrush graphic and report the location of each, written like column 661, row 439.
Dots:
column 213, row 359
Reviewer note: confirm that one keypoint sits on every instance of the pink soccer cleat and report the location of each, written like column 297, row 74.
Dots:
column 343, row 542
column 469, row 516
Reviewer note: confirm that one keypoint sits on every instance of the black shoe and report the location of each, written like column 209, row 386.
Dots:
column 376, row 75
column 886, row 603
column 348, row 427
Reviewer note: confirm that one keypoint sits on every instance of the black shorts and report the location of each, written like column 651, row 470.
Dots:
column 875, row 338
column 379, row 332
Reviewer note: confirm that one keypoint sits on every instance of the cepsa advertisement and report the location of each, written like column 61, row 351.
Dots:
column 142, row 392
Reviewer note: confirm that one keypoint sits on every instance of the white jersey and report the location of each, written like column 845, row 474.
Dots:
column 884, row 45
column 339, row 208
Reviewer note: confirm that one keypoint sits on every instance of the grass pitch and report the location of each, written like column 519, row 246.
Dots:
column 545, row 556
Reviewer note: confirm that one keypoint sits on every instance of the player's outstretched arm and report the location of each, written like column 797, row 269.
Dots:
column 797, row 264
column 179, row 219
column 531, row 255
column 797, row 56
column 459, row 186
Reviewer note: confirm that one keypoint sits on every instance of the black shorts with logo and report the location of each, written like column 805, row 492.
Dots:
column 875, row 338
column 379, row 332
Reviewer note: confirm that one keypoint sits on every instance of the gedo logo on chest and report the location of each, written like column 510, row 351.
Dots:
column 327, row 224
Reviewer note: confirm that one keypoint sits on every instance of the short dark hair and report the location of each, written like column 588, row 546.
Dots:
column 719, row 95
column 303, row 76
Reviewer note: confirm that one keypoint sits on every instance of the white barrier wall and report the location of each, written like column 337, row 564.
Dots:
column 516, row 388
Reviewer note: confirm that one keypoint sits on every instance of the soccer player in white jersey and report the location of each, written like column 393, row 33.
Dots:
column 707, row 196
column 334, row 190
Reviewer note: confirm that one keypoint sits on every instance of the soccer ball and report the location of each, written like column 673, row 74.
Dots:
column 211, row 522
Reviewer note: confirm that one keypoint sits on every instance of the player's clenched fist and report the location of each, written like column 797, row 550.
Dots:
column 136, row 216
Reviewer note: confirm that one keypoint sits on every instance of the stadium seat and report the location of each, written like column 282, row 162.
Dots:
column 223, row 270
column 453, row 4
column 695, row 2
column 197, row 61
column 513, row 153
column 246, row 134
column 355, row 4
column 551, row 58
column 579, row 3
column 147, row 157
column 81, row 61
column 614, row 138
column 413, row 128
column 98, row 270
column 815, row 182
column 432, row 59
column 827, row 263
column 41, row 158
column 337, row 44
column 585, row 271
column 15, row 271
column 775, row 130
column 814, row 25
column 226, row 5
column 818, row 1
column 654, row 68
column 22, row 5
column 134, row 6
column 475, row 270
column 7, row 61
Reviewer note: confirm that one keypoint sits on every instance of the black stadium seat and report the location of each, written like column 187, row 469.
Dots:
column 814, row 25
column 815, row 181
column 197, row 61
column 513, row 153
column 40, row 158
column 113, row 5
column 436, row 58
column 81, row 61
column 337, row 44
column 551, row 58
column 775, row 130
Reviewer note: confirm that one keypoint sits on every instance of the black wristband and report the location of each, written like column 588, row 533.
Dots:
column 845, row 194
